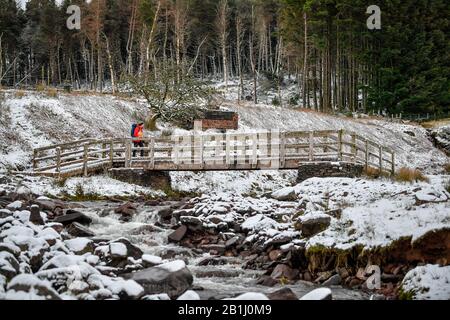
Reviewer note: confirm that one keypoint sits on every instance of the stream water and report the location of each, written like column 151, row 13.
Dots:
column 210, row 282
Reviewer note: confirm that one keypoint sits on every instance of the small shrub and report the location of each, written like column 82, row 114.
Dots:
column 19, row 94
column 40, row 87
column 293, row 100
column 276, row 101
column 447, row 185
column 52, row 92
column 410, row 175
column 372, row 173
column 60, row 182
column 447, row 168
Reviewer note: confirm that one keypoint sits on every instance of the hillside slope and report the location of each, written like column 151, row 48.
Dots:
column 33, row 120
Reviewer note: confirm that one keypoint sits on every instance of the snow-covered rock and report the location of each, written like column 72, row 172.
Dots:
column 286, row 194
column 318, row 294
column 172, row 278
column 151, row 260
column 259, row 222
column 251, row 296
column 189, row 295
column 118, row 250
column 430, row 282
column 79, row 246
column 29, row 287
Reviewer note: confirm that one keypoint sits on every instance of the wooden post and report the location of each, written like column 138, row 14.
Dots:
column 193, row 150
column 111, row 153
column 367, row 155
column 152, row 154
column 254, row 150
column 202, row 163
column 381, row 159
column 227, row 150
column 128, row 153
column 104, row 152
column 282, row 149
column 393, row 164
column 176, row 150
column 58, row 160
column 311, row 146
column 354, row 149
column 35, row 156
column 340, row 145
column 85, row 159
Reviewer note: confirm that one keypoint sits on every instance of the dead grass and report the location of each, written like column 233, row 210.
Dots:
column 19, row 94
column 447, row 168
column 435, row 123
column 40, row 87
column 373, row 173
column 410, row 175
column 52, row 92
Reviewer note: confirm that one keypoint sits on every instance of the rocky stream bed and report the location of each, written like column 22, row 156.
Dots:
column 208, row 247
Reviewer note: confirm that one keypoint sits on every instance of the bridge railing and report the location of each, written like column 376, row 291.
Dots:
column 231, row 151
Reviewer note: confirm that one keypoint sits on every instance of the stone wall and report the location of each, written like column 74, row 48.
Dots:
column 150, row 179
column 329, row 169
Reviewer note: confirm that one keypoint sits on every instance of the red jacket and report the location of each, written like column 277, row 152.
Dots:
column 138, row 133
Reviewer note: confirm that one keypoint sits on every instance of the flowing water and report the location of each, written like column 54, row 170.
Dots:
column 225, row 280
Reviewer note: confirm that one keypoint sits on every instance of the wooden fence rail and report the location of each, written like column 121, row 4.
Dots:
column 201, row 152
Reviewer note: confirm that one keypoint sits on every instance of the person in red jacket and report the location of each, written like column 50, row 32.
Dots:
column 137, row 138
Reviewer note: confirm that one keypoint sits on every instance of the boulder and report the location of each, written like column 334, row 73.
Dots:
column 51, row 205
column 189, row 296
column 9, row 266
column 118, row 250
column 178, row 234
column 35, row 215
column 283, row 294
column 132, row 250
column 27, row 286
column 213, row 249
column 173, row 278
column 151, row 261
column 80, row 246
column 314, row 225
column 333, row 281
column 15, row 206
column 232, row 242
column 193, row 223
column 126, row 210
column 5, row 213
column 165, row 213
column 275, row 254
column 251, row 296
column 318, row 294
column 78, row 230
column 72, row 216
column 286, row 194
column 23, row 193
column 267, row 281
column 284, row 271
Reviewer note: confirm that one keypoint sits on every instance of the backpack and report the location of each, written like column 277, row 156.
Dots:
column 133, row 129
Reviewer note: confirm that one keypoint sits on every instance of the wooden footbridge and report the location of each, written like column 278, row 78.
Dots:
column 271, row 150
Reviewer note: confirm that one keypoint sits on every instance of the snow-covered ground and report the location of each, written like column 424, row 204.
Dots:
column 371, row 213
column 31, row 120
column 268, row 205
column 101, row 186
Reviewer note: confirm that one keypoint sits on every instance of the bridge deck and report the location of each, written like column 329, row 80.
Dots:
column 212, row 152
